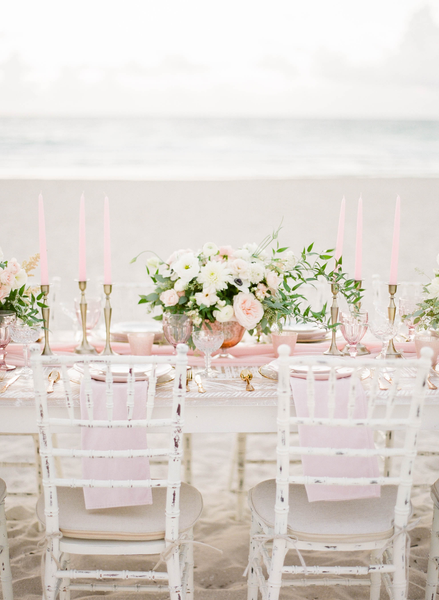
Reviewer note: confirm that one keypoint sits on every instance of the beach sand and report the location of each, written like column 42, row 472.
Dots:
column 163, row 216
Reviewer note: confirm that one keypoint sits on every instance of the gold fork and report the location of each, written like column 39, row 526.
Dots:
column 188, row 379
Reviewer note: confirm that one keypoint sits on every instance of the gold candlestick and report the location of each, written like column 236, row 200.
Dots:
column 333, row 350
column 84, row 347
column 46, row 318
column 107, row 314
column 392, row 352
column 361, row 348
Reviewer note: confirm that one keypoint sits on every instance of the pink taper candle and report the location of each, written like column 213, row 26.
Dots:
column 107, row 242
column 395, row 246
column 359, row 242
column 82, row 260
column 44, row 273
column 340, row 233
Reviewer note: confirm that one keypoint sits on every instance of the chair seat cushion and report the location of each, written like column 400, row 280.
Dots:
column 2, row 490
column 347, row 521
column 133, row 523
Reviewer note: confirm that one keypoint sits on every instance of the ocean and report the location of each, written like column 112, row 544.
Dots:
column 207, row 148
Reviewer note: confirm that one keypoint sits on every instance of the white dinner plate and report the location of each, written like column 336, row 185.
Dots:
column 321, row 372
column 120, row 372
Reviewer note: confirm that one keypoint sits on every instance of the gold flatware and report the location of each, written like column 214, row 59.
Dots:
column 9, row 383
column 430, row 384
column 188, row 379
column 54, row 376
column 246, row 375
column 2, row 374
column 199, row 383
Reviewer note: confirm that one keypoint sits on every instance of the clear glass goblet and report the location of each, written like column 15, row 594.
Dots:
column 7, row 318
column 407, row 306
column 384, row 330
column 353, row 326
column 177, row 328
column 25, row 334
column 94, row 309
column 208, row 338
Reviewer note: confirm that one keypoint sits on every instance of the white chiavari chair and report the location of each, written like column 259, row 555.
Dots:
column 282, row 516
column 5, row 567
column 164, row 528
column 433, row 556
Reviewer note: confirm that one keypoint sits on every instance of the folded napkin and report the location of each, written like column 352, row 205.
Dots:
column 335, row 437
column 115, row 439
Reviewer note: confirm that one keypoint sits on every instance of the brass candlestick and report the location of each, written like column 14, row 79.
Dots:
column 333, row 350
column 46, row 318
column 361, row 348
column 84, row 347
column 392, row 352
column 107, row 314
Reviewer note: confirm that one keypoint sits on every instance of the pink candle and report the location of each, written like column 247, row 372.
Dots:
column 82, row 262
column 339, row 245
column 395, row 246
column 107, row 243
column 359, row 244
column 43, row 249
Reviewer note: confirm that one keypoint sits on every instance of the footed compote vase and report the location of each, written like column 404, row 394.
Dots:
column 233, row 334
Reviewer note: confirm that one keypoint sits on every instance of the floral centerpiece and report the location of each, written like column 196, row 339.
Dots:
column 256, row 286
column 427, row 315
column 15, row 293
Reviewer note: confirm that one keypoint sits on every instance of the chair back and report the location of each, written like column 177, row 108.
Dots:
column 53, row 417
column 397, row 408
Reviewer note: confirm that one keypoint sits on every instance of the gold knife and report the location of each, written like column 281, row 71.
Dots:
column 9, row 383
column 198, row 381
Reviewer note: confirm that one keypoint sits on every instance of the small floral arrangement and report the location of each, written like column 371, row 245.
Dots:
column 251, row 285
column 15, row 294
column 427, row 315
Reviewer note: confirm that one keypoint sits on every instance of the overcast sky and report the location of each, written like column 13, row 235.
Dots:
column 316, row 58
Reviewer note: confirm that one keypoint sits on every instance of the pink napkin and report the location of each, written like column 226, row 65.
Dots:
column 115, row 439
column 335, row 437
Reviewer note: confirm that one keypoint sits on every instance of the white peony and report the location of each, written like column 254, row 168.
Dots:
column 224, row 314
column 20, row 279
column 206, row 297
column 214, row 276
column 187, row 267
column 433, row 288
column 210, row 249
column 242, row 253
column 289, row 260
column 256, row 272
column 153, row 263
column 240, row 268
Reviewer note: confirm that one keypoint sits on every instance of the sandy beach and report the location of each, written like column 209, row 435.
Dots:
column 163, row 216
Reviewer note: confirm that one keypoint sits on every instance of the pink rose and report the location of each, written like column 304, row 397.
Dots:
column 177, row 254
column 273, row 280
column 261, row 291
column 226, row 251
column 13, row 266
column 4, row 291
column 248, row 310
column 169, row 298
column 7, row 277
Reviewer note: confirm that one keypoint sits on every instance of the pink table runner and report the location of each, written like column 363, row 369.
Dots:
column 115, row 439
column 335, row 437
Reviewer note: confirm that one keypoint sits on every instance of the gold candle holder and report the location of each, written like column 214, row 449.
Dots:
column 392, row 352
column 361, row 348
column 333, row 350
column 107, row 314
column 84, row 347
column 45, row 288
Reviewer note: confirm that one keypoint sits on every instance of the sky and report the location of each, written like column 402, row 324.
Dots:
column 277, row 58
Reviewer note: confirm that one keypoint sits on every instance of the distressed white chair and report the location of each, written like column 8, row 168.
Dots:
column 433, row 557
column 5, row 567
column 164, row 528
column 283, row 517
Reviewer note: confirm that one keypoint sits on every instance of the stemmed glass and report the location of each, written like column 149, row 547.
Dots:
column 208, row 338
column 94, row 309
column 177, row 328
column 384, row 330
column 407, row 306
column 353, row 326
column 7, row 318
column 22, row 333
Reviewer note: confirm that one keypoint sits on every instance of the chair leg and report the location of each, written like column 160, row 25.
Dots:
column 190, row 568
column 5, row 567
column 432, row 571
column 38, row 470
column 375, row 578
column 275, row 575
column 187, row 457
column 241, row 451
column 252, row 581
column 174, row 575
column 400, row 583
column 64, row 592
column 51, row 582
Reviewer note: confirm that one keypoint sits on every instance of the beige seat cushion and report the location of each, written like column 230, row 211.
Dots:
column 348, row 521
column 2, row 490
column 435, row 493
column 136, row 523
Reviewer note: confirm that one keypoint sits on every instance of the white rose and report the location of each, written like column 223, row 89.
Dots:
column 242, row 253
column 433, row 288
column 169, row 297
column 256, row 272
column 240, row 268
column 289, row 260
column 224, row 314
column 187, row 267
column 20, row 279
column 153, row 263
column 180, row 285
column 210, row 249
